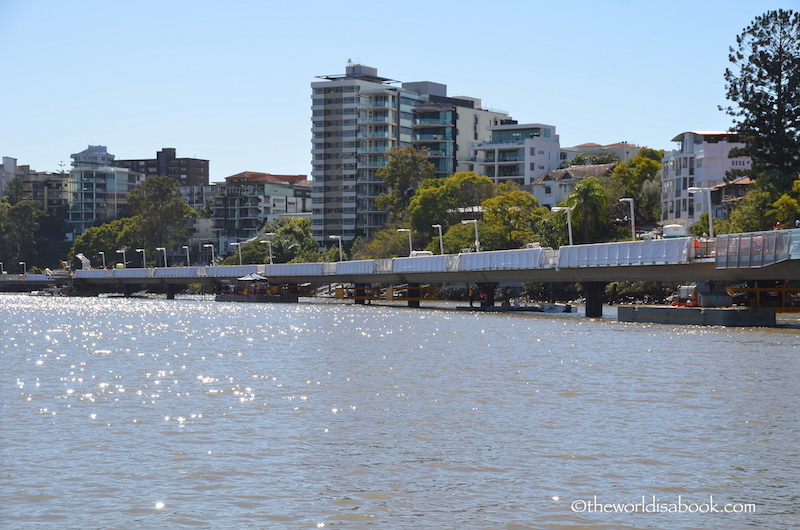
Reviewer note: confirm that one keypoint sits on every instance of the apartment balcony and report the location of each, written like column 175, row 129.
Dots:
column 375, row 105
column 511, row 159
column 379, row 134
column 429, row 138
column 374, row 119
column 430, row 122
column 494, row 145
column 372, row 149
column 438, row 154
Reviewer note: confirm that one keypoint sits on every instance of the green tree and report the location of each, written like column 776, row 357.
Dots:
column 19, row 224
column 638, row 178
column 763, row 83
column 446, row 201
column 291, row 241
column 405, row 169
column 514, row 214
column 578, row 160
column 205, row 211
column 787, row 207
column 386, row 243
column 752, row 214
column 14, row 191
column 160, row 212
column 108, row 238
column 588, row 203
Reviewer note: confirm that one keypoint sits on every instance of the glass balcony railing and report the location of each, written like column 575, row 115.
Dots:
column 378, row 134
column 432, row 122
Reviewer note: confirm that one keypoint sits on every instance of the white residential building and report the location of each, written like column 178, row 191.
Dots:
column 701, row 161
column 97, row 191
column 517, row 152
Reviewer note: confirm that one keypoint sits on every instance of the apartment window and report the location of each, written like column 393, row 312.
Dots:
column 548, row 190
column 533, row 151
column 547, row 133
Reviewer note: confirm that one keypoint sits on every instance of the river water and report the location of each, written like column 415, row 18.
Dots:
column 147, row 413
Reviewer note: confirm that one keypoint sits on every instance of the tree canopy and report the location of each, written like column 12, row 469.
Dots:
column 160, row 211
column 443, row 201
column 588, row 201
column 640, row 179
column 405, row 169
column 18, row 226
column 763, row 83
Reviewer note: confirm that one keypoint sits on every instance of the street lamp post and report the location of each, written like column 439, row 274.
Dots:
column 164, row 250
column 240, row 251
column 124, row 261
column 24, row 268
column 1, row 268
column 341, row 252
column 569, row 219
column 186, row 248
column 144, row 258
column 441, row 241
column 633, row 222
column 694, row 189
column 477, row 241
column 209, row 245
column 410, row 244
column 268, row 242
column 103, row 255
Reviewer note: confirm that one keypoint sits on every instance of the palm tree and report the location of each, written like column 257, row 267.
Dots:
column 588, row 201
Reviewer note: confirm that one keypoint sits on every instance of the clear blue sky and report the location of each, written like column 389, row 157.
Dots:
column 229, row 81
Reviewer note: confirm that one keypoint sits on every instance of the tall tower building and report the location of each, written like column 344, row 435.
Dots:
column 356, row 118
column 359, row 116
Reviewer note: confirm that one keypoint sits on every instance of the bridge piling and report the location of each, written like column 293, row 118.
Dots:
column 594, row 292
column 171, row 291
column 413, row 292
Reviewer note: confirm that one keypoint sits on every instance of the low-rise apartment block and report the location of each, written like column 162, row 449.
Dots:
column 184, row 171
column 701, row 162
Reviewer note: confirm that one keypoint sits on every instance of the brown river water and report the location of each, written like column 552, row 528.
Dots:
column 145, row 413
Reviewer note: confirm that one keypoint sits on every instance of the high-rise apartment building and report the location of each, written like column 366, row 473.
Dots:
column 184, row 171
column 97, row 189
column 357, row 118
column 701, row 162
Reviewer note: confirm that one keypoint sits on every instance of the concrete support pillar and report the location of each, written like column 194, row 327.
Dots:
column 594, row 292
column 360, row 290
column 127, row 290
column 171, row 291
column 413, row 292
column 486, row 293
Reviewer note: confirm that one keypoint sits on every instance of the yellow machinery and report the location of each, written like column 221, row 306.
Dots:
column 781, row 299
